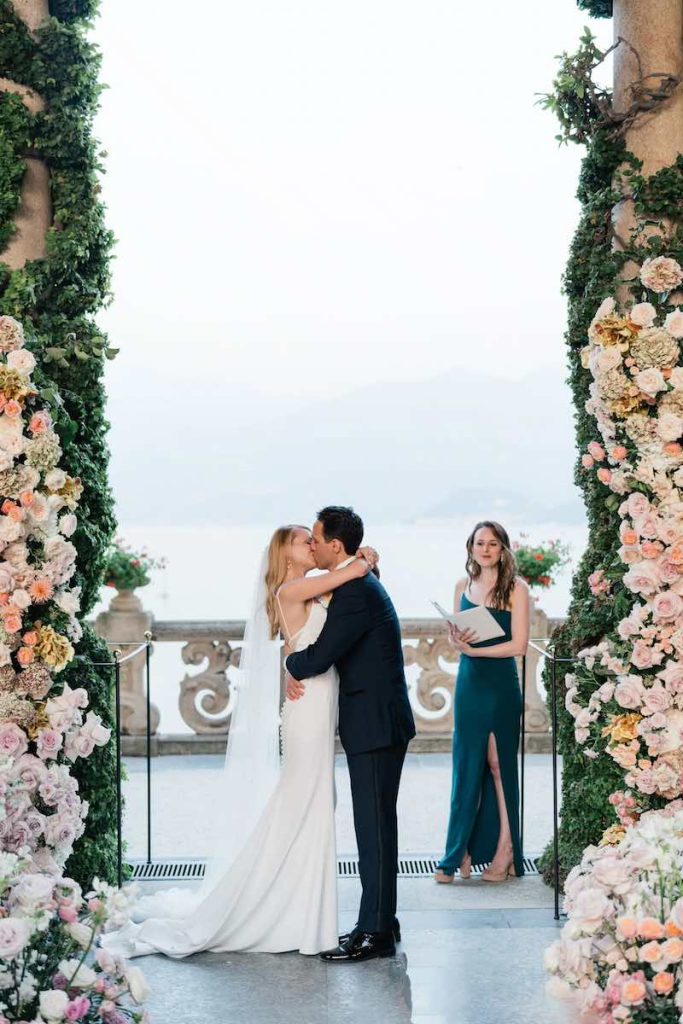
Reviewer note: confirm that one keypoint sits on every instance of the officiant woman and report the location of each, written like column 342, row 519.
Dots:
column 484, row 818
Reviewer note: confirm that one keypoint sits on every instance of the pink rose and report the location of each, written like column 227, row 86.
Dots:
column 587, row 461
column 637, row 505
column 674, row 323
column 642, row 578
column 628, row 693
column 597, row 451
column 642, row 655
column 655, row 699
column 49, row 743
column 604, row 476
column 643, row 314
column 672, row 676
column 667, row 605
column 646, row 525
column 13, row 740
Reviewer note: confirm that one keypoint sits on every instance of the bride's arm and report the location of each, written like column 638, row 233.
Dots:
column 308, row 588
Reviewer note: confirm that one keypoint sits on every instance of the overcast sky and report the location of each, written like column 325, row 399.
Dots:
column 309, row 193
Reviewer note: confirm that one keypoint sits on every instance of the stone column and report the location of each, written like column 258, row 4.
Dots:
column 654, row 28
column 34, row 216
column 536, row 718
column 126, row 622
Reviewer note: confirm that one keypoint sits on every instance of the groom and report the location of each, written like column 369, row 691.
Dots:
column 362, row 637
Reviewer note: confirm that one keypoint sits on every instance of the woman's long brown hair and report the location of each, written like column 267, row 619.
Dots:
column 276, row 573
column 501, row 592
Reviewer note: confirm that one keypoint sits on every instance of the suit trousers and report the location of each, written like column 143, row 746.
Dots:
column 375, row 777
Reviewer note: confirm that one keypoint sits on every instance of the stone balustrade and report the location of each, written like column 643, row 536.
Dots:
column 211, row 652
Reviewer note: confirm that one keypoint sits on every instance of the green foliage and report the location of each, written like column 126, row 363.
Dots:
column 57, row 299
column 127, row 569
column 537, row 562
column 575, row 100
column 597, row 8
column 609, row 172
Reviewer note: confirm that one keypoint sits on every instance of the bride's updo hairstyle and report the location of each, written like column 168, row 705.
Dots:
column 501, row 593
column 276, row 573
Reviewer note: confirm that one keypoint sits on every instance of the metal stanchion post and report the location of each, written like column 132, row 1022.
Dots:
column 556, row 847
column 148, row 652
column 521, row 802
column 119, row 801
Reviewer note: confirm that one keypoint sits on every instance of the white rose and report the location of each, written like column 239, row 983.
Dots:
column 606, row 307
column 9, row 530
column 22, row 361
column 21, row 598
column 137, row 983
column 5, row 655
column 614, row 873
column 82, row 975
column 11, row 433
column 67, row 601
column 606, row 359
column 93, row 729
column 14, row 934
column 669, row 426
column 676, row 378
column 643, row 314
column 53, row 1004
column 80, row 933
column 650, row 381
column 591, row 908
column 55, row 479
column 32, row 891
column 68, row 524
column 674, row 325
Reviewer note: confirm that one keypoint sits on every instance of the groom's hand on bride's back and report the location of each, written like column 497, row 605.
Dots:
column 295, row 689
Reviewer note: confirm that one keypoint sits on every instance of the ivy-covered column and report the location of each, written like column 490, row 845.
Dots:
column 631, row 192
column 54, row 277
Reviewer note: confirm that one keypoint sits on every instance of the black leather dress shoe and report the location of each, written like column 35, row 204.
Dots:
column 363, row 946
column 396, row 930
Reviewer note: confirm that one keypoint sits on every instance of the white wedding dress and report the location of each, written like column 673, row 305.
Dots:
column 280, row 892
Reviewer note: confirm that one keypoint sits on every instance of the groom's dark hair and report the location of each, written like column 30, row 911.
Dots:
column 342, row 524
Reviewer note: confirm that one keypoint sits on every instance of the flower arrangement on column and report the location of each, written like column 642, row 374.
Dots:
column 56, row 293
column 50, row 967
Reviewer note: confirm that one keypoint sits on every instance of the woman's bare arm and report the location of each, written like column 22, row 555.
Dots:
column 308, row 588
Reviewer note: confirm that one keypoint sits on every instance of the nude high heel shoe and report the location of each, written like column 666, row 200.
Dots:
column 441, row 878
column 499, row 876
column 466, row 867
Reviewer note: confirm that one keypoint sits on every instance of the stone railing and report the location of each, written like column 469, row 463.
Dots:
column 213, row 650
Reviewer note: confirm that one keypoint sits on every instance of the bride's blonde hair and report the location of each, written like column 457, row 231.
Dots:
column 276, row 572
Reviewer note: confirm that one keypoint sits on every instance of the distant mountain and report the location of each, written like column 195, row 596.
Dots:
column 461, row 443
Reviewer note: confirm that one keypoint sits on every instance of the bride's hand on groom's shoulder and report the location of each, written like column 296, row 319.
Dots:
column 369, row 556
column 295, row 689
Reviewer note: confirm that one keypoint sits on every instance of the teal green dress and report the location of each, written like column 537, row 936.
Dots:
column 487, row 700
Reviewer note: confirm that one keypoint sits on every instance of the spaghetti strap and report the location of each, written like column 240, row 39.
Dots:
column 283, row 621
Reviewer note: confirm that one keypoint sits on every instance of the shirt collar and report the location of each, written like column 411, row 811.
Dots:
column 342, row 565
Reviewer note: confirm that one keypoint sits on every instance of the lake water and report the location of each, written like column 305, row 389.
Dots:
column 211, row 572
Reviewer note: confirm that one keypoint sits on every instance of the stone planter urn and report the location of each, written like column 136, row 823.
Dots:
column 126, row 622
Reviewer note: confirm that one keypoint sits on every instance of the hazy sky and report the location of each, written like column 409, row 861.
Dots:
column 308, row 193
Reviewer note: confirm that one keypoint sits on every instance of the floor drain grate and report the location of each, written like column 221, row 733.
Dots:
column 409, row 866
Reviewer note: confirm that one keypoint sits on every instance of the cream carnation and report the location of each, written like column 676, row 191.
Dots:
column 661, row 274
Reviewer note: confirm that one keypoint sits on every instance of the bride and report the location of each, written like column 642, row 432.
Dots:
column 272, row 883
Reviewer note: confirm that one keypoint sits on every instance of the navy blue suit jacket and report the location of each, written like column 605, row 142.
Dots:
column 362, row 637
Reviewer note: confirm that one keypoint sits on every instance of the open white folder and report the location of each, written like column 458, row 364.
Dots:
column 478, row 619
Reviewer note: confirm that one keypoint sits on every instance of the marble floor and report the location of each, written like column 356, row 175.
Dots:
column 454, row 966
column 472, row 953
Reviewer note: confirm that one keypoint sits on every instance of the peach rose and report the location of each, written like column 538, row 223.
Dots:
column 651, row 549
column 633, row 992
column 663, row 983
column 672, row 950
column 675, row 553
column 628, row 535
column 12, row 623
column 618, row 453
column 650, row 928
column 627, row 928
column 27, row 498
column 672, row 931
column 673, row 449
column 25, row 656
column 30, row 638
column 637, row 504
column 651, row 953
column 596, row 450
column 587, row 461
column 604, row 475
column 12, row 409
